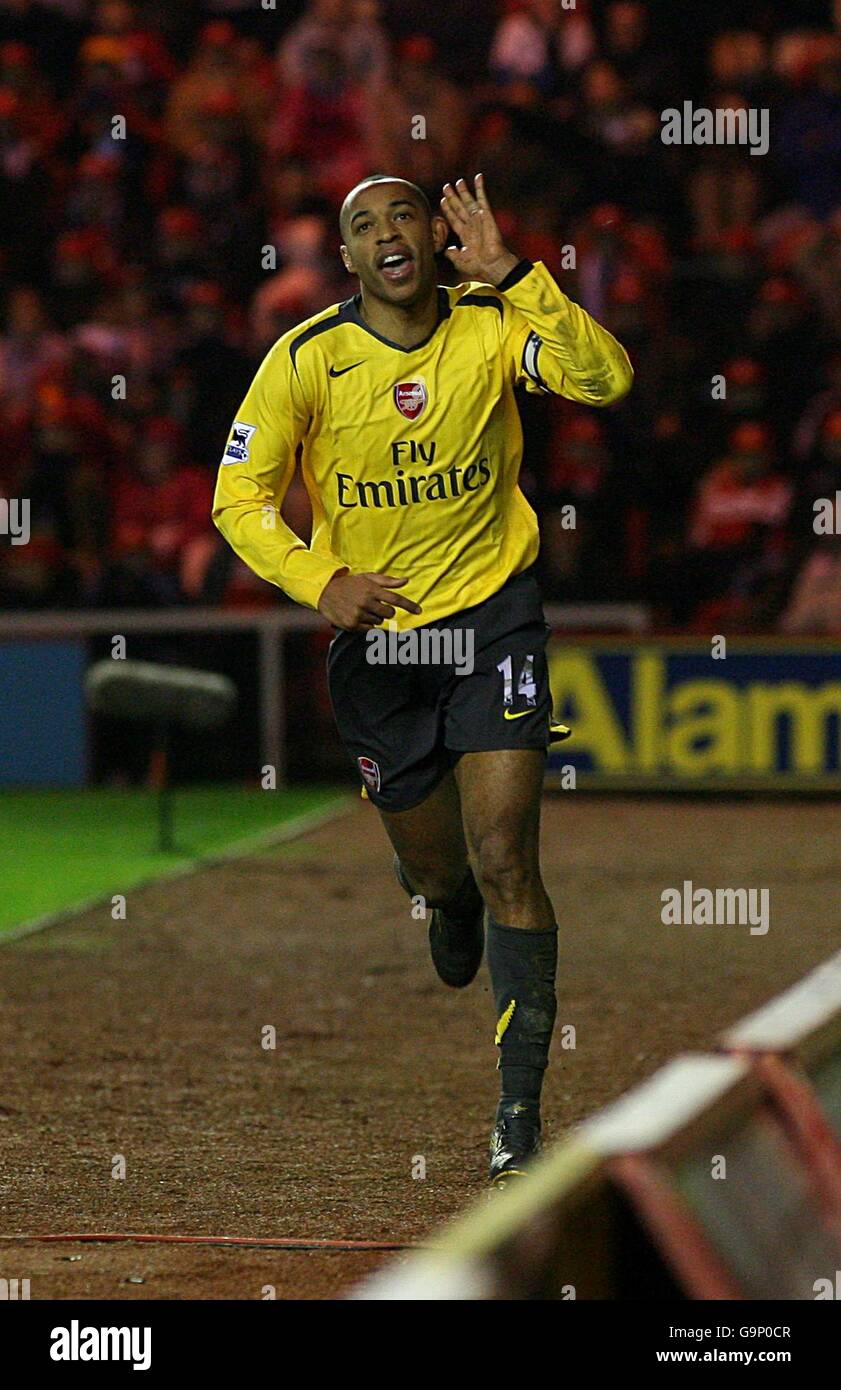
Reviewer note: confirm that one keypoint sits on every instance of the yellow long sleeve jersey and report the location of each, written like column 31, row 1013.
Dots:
column 410, row 456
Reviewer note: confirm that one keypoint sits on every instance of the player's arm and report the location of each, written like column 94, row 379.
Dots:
column 254, row 477
column 554, row 344
column 257, row 467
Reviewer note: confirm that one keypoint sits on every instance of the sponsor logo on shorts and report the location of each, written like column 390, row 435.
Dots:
column 370, row 773
column 239, row 443
column 411, row 398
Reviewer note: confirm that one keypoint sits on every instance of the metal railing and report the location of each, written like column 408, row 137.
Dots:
column 270, row 626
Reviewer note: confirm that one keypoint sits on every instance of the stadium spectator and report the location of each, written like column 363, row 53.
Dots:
column 418, row 88
column 628, row 45
column 350, row 31
column 158, row 543
column 29, row 347
column 815, row 604
column 807, row 137
column 214, row 97
column 573, row 512
column 736, row 528
column 324, row 121
column 819, row 476
column 536, row 44
column 821, row 405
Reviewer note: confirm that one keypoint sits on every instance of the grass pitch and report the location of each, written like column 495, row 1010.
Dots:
column 60, row 849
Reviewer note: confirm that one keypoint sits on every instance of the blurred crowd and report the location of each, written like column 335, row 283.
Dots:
column 169, row 183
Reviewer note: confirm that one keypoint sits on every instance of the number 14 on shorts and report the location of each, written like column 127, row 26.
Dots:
column 525, row 684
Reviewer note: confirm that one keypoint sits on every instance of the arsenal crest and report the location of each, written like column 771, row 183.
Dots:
column 411, row 398
column 370, row 773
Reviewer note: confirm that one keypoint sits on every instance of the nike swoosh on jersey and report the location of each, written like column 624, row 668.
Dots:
column 341, row 371
column 522, row 714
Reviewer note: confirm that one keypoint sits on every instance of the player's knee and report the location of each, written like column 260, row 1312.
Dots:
column 506, row 875
column 436, row 882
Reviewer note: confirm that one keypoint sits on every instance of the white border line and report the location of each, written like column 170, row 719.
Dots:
column 238, row 849
column 657, row 1109
column 790, row 1018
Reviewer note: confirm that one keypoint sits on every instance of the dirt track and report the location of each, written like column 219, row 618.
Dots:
column 143, row 1038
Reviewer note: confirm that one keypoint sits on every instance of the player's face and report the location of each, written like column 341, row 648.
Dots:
column 391, row 243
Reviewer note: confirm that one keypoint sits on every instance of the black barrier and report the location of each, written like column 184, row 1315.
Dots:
column 168, row 698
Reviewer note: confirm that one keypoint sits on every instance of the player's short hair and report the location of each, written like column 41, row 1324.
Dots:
column 379, row 178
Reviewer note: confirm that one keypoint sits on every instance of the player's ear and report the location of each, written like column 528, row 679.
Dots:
column 346, row 259
column 440, row 232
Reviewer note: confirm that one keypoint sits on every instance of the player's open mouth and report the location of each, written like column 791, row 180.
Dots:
column 397, row 266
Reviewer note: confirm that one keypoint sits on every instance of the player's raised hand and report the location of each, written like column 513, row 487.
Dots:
column 359, row 601
column 481, row 254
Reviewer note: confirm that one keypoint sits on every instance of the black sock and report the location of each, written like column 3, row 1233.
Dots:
column 523, row 965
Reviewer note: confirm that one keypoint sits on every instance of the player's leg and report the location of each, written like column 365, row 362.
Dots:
column 500, row 793
column 429, row 842
column 389, row 721
column 431, row 862
column 500, row 797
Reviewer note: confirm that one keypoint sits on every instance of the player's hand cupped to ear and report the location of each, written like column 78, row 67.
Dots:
column 359, row 601
column 482, row 254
